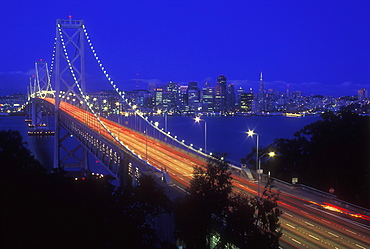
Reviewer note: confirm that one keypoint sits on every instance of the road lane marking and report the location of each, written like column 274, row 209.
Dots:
column 360, row 246
column 350, row 231
column 296, row 241
column 313, row 237
column 289, row 225
column 333, row 234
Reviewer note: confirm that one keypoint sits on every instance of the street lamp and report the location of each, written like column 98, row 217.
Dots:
column 258, row 159
column 146, row 142
column 197, row 119
column 118, row 110
column 260, row 171
column 165, row 121
column 159, row 111
column 135, row 125
column 250, row 134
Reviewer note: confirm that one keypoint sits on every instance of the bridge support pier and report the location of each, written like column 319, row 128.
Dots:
column 69, row 153
column 36, row 114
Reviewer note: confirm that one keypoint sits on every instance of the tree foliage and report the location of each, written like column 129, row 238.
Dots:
column 41, row 210
column 252, row 223
column 208, row 198
column 14, row 153
column 330, row 153
column 213, row 215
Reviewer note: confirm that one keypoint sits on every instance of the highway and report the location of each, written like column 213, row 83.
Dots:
column 305, row 223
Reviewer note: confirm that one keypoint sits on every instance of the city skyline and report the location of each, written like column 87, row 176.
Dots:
column 316, row 48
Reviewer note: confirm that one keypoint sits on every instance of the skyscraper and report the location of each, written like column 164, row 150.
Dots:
column 261, row 96
column 193, row 93
column 158, row 98
column 246, row 100
column 208, row 97
column 239, row 92
column 220, row 94
column 173, row 96
column 230, row 98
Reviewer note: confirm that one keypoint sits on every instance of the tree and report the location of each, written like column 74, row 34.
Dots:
column 15, row 154
column 54, row 211
column 212, row 214
column 199, row 214
column 138, row 208
column 251, row 223
column 329, row 153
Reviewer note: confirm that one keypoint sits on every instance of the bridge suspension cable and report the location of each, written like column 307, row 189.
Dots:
column 121, row 93
column 84, row 96
column 42, row 80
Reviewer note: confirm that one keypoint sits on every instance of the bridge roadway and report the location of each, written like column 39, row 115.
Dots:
column 304, row 224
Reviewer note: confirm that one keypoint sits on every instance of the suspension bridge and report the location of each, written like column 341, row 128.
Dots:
column 130, row 145
column 132, row 148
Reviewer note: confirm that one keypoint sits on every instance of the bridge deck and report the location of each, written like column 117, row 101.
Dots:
column 179, row 165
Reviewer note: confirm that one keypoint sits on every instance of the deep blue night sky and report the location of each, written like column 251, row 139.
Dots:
column 316, row 46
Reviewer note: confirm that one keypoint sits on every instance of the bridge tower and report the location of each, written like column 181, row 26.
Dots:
column 41, row 88
column 69, row 82
column 43, row 84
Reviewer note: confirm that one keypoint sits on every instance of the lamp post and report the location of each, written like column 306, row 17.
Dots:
column 165, row 121
column 118, row 111
column 159, row 111
column 251, row 133
column 156, row 130
column 146, row 142
column 135, row 125
column 260, row 171
column 197, row 119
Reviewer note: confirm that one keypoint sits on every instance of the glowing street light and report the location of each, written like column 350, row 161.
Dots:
column 251, row 133
column 260, row 171
column 197, row 120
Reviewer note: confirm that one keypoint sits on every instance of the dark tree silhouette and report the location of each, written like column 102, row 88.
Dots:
column 253, row 223
column 199, row 214
column 14, row 154
column 330, row 153
column 212, row 213
column 41, row 210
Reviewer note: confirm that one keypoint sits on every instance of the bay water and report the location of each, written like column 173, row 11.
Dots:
column 228, row 133
column 223, row 133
